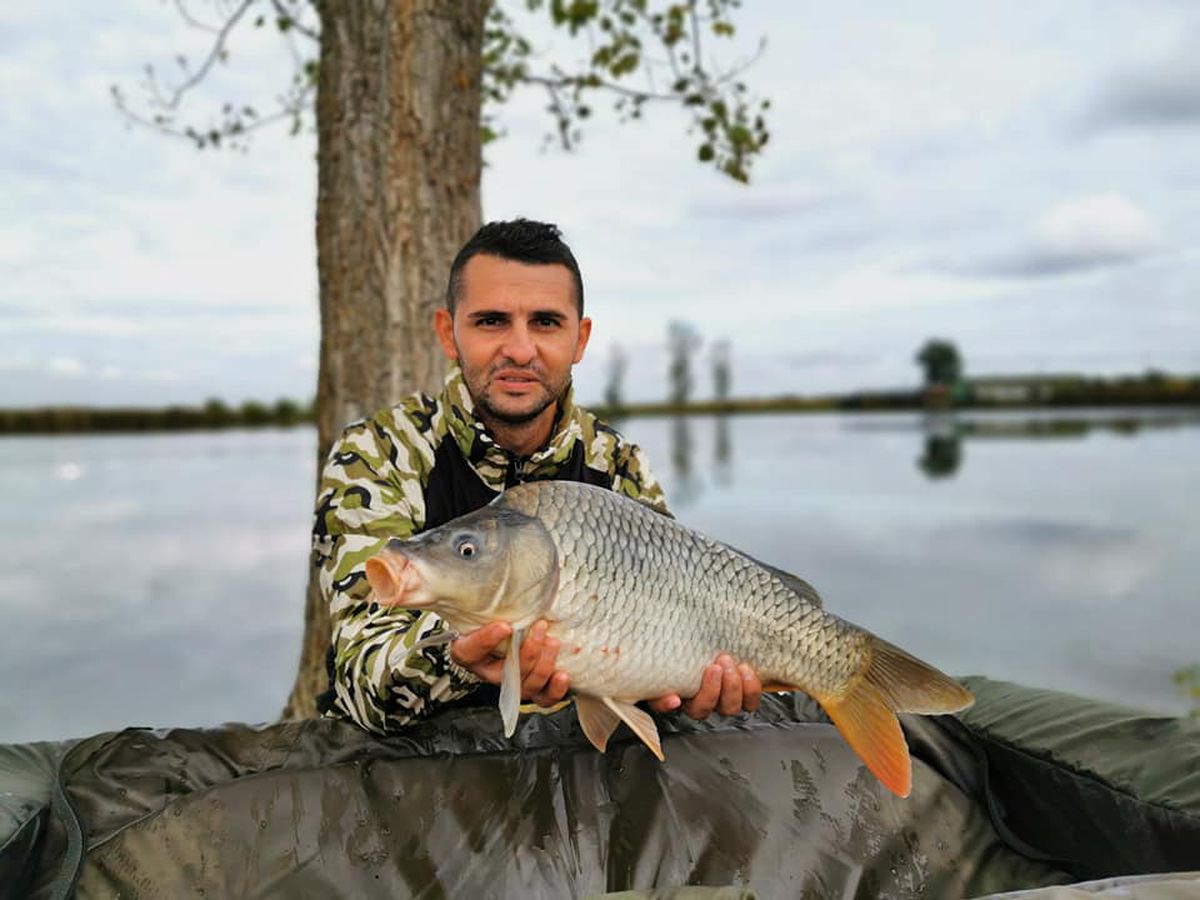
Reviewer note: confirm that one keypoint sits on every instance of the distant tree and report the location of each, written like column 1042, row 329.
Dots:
column 287, row 412
column 617, row 364
column 941, row 361
column 682, row 342
column 722, row 370
column 255, row 413
column 216, row 412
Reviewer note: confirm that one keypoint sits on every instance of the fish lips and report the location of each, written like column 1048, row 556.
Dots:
column 394, row 580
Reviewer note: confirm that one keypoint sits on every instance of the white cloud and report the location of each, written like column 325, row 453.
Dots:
column 19, row 364
column 66, row 365
column 1079, row 235
column 1101, row 227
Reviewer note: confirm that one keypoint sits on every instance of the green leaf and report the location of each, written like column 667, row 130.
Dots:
column 739, row 136
column 626, row 64
column 706, row 153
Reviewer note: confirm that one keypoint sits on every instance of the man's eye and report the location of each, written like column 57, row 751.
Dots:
column 546, row 322
column 488, row 321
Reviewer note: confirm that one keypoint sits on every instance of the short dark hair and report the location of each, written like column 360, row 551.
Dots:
column 520, row 240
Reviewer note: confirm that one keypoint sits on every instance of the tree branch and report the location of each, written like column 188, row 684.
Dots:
column 237, row 121
column 216, row 54
column 181, row 8
column 296, row 24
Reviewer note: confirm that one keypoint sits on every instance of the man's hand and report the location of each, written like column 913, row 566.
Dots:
column 479, row 652
column 727, row 688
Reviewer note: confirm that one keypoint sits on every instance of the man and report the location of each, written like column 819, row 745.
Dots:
column 513, row 326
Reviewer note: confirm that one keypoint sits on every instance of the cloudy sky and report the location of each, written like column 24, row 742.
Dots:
column 1019, row 178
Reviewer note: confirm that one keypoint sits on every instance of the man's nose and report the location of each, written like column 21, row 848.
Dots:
column 519, row 346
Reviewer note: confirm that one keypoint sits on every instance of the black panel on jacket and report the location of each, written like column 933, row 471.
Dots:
column 455, row 489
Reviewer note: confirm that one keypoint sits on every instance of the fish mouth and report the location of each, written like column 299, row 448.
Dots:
column 394, row 579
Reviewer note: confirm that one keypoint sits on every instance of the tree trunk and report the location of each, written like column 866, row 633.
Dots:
column 398, row 168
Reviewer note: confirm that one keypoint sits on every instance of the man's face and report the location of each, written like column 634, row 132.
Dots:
column 516, row 333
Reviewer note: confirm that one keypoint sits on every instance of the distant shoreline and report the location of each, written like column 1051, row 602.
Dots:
column 1018, row 392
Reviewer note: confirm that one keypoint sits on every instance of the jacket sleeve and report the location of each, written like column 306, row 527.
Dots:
column 633, row 478
column 370, row 491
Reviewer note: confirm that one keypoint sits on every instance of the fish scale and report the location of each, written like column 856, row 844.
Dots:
column 642, row 604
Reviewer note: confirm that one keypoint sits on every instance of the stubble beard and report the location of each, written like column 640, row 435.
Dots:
column 478, row 385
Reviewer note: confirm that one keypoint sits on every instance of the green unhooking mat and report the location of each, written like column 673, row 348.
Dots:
column 1028, row 788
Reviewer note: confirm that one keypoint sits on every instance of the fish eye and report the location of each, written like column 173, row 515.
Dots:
column 466, row 546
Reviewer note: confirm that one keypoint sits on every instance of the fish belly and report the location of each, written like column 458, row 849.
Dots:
column 635, row 638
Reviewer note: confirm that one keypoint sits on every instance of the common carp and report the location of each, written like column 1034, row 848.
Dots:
column 642, row 604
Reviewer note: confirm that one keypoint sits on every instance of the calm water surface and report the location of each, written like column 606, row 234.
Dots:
column 158, row 580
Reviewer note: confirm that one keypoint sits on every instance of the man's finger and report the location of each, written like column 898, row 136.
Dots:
column 531, row 646
column 701, row 705
column 556, row 688
column 751, row 688
column 476, row 646
column 730, row 702
column 536, row 677
column 665, row 703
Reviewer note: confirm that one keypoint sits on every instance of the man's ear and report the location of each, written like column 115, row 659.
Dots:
column 585, row 332
column 443, row 324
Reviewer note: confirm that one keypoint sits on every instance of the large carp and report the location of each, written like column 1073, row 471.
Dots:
column 642, row 604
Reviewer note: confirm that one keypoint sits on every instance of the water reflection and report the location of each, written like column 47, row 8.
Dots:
column 943, row 435
column 943, row 447
column 687, row 482
column 722, row 452
column 687, row 485
column 943, row 453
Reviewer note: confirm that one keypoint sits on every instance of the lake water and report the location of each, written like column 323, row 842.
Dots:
column 158, row 580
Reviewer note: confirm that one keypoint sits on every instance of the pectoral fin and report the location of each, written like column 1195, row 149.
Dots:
column 510, row 684
column 640, row 723
column 434, row 640
column 597, row 720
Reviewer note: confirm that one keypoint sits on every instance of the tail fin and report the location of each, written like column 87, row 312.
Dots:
column 865, row 713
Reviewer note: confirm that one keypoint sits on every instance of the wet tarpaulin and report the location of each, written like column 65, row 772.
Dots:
column 774, row 804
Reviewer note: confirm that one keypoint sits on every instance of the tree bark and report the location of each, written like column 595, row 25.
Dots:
column 398, row 168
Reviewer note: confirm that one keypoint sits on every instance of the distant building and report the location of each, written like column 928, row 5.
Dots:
column 1021, row 388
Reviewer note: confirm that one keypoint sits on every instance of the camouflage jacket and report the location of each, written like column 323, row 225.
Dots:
column 376, row 485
